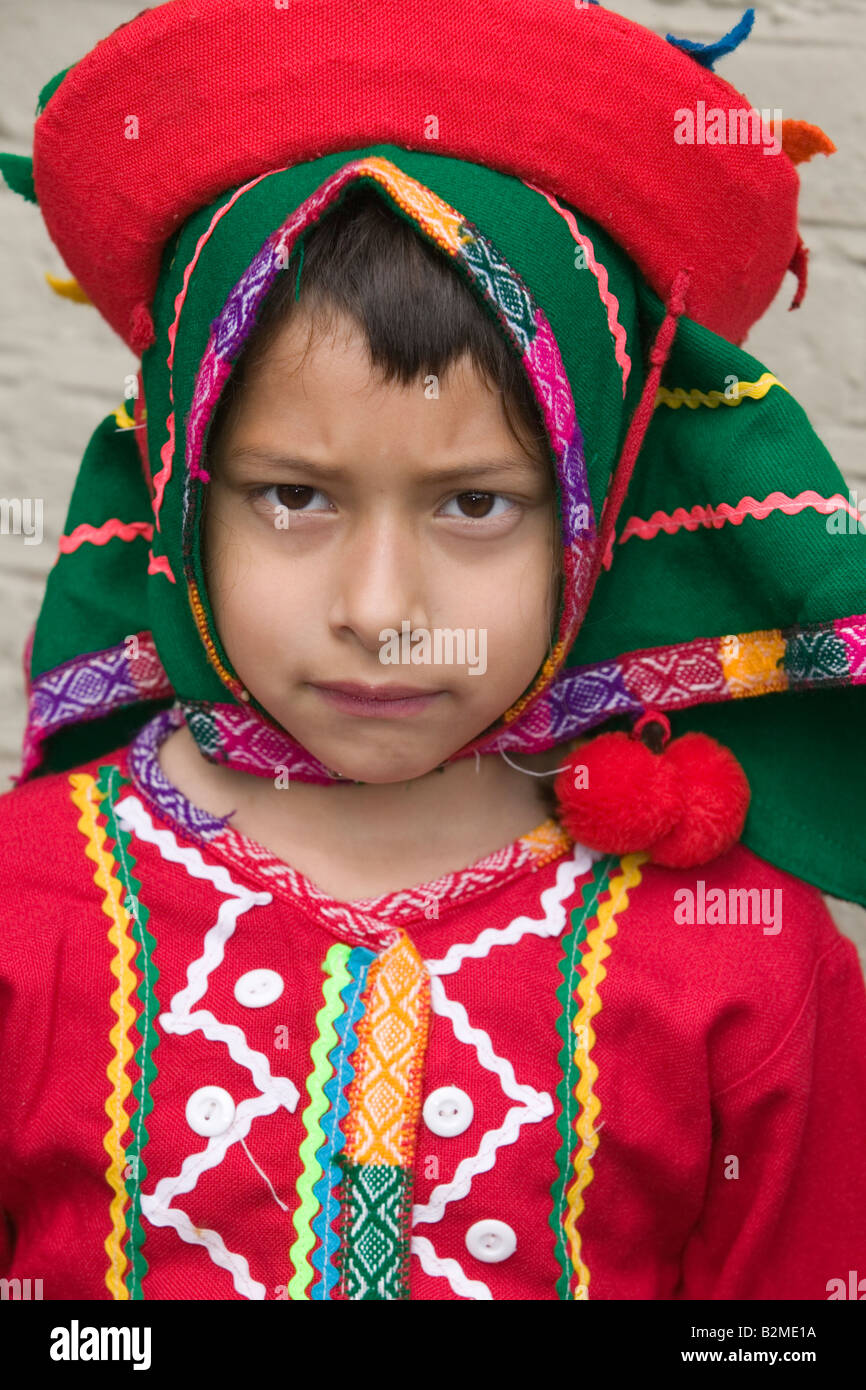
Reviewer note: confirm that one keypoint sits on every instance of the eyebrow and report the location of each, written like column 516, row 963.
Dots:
column 489, row 466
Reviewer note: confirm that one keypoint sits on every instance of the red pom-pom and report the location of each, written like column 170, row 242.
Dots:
column 626, row 800
column 716, row 794
column 684, row 806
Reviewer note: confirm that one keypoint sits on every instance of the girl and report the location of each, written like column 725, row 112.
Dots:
column 504, row 974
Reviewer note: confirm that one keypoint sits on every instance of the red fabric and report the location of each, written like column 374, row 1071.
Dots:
column 617, row 796
column 711, row 1041
column 225, row 90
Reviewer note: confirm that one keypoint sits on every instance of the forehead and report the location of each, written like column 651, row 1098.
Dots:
column 313, row 376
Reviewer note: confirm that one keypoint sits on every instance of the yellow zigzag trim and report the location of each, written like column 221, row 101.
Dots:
column 113, row 906
column 597, row 951
column 123, row 419
column 695, row 398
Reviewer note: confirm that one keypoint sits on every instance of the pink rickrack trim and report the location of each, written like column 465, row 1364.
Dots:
column 158, row 564
column 717, row 517
column 112, row 529
column 166, row 453
column 608, row 298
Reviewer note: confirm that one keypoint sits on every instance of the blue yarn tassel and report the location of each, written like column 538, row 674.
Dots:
column 707, row 53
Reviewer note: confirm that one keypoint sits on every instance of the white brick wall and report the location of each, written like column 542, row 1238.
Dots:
column 62, row 369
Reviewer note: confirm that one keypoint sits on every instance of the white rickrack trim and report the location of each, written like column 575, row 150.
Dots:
column 133, row 812
column 284, row 1090
column 481, row 1162
column 536, row 1105
column 447, row 1269
column 480, row 1040
column 216, row 1247
column 179, row 1019
column 198, row 971
column 217, row 1146
column 551, row 924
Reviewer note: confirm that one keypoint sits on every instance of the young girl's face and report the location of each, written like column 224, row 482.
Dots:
column 339, row 508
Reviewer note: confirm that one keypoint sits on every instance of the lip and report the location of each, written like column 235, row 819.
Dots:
column 375, row 701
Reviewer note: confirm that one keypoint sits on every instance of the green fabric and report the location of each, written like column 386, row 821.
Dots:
column 17, row 170
column 50, row 88
column 742, row 576
column 769, row 573
column 97, row 595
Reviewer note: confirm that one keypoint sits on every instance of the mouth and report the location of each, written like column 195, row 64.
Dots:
column 375, row 701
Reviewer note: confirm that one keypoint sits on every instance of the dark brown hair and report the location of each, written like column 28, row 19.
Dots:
column 364, row 261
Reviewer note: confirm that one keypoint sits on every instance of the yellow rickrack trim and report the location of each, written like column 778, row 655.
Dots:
column 544, row 676
column 113, row 906
column 123, row 419
column 597, row 951
column 755, row 390
column 67, row 289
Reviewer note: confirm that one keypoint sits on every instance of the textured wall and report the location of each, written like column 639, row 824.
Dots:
column 62, row 369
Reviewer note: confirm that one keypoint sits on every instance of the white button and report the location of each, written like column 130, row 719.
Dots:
column 491, row 1241
column 448, row 1111
column 258, row 987
column 210, row 1110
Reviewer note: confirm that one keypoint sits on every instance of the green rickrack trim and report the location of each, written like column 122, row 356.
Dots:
column 108, row 784
column 572, row 939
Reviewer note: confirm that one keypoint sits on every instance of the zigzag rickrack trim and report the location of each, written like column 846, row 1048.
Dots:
column 136, row 1168
column 753, row 390
column 85, row 797
column 313, row 1144
column 577, row 1033
column 718, row 516
column 120, row 903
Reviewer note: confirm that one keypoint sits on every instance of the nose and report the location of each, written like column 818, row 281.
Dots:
column 378, row 579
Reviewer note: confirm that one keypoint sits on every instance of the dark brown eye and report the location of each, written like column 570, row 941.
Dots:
column 475, row 504
column 294, row 495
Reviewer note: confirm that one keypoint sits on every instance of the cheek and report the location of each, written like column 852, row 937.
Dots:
column 243, row 582
column 517, row 605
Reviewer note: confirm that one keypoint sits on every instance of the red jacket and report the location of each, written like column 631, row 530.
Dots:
column 216, row 1082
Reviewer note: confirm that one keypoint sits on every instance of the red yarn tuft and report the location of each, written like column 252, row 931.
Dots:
column 141, row 330
column 800, row 266
column 684, row 806
column 716, row 793
column 631, row 796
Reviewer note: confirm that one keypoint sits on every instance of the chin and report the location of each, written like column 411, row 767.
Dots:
column 377, row 768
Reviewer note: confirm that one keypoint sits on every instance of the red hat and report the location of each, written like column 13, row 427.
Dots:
column 179, row 104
